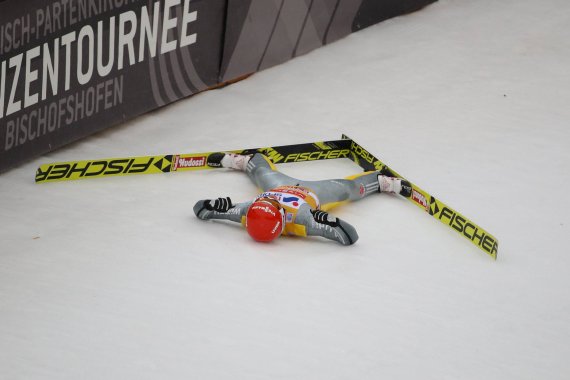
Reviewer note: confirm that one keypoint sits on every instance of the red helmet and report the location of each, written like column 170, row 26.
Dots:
column 265, row 219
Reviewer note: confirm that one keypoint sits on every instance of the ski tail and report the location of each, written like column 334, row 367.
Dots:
column 431, row 205
column 73, row 170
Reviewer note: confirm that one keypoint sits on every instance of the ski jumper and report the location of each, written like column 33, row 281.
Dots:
column 304, row 202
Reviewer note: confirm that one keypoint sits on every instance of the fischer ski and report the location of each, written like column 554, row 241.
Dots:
column 434, row 207
column 344, row 148
column 64, row 171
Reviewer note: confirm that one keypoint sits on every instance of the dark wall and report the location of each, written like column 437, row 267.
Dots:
column 75, row 106
column 71, row 68
column 264, row 33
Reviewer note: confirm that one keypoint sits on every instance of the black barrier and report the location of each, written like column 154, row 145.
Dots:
column 265, row 33
column 70, row 68
column 372, row 12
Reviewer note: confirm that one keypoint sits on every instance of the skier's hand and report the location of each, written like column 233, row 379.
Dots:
column 323, row 217
column 204, row 209
column 336, row 229
column 219, row 205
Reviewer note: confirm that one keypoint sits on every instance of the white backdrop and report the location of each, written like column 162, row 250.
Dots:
column 116, row 279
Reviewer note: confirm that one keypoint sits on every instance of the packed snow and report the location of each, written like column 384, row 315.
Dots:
column 115, row 278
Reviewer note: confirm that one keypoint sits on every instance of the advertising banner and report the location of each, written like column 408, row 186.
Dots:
column 69, row 68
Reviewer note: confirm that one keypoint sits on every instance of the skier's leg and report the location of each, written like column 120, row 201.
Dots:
column 333, row 192
column 258, row 167
column 264, row 175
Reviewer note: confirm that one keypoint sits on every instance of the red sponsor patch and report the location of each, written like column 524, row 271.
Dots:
column 419, row 199
column 189, row 162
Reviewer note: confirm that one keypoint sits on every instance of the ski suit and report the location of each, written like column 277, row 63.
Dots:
column 304, row 202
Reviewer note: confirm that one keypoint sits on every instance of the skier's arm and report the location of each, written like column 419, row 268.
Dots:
column 221, row 208
column 320, row 223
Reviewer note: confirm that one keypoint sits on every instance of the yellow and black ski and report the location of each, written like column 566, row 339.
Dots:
column 344, row 148
column 64, row 171
column 434, row 207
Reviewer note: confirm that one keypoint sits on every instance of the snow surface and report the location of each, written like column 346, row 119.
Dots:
column 116, row 279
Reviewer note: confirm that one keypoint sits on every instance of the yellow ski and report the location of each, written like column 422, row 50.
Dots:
column 65, row 171
column 344, row 148
column 434, row 207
